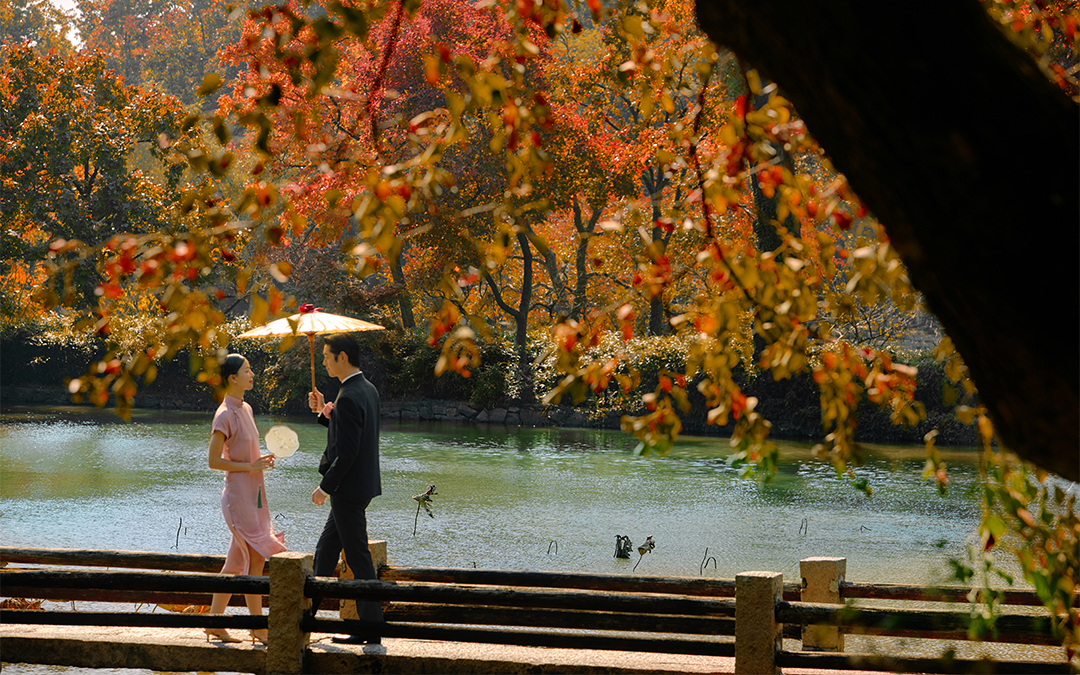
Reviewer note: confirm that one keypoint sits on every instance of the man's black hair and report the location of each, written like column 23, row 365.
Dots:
column 344, row 342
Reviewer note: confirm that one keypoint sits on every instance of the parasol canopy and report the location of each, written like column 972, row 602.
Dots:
column 310, row 321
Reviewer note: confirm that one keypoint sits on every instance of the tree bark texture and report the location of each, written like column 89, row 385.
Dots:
column 404, row 299
column 967, row 154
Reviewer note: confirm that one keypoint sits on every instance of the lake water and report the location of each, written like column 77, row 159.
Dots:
column 508, row 498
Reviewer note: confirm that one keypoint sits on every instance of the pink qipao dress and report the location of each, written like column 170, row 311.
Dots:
column 243, row 501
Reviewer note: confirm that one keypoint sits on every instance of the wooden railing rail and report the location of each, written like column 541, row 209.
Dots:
column 358, row 589
column 131, row 619
column 31, row 580
column 759, row 649
column 722, row 588
column 48, row 584
column 930, row 623
column 177, row 562
column 595, row 611
column 529, row 638
column 558, row 618
column 849, row 590
column 899, row 664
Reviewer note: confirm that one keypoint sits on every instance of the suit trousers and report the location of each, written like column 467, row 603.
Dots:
column 346, row 527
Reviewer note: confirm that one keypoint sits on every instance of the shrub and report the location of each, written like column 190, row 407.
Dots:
column 410, row 371
column 491, row 382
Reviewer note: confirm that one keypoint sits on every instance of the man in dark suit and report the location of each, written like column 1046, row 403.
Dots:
column 350, row 470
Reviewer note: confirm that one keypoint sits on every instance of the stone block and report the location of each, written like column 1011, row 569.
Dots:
column 467, row 411
column 821, row 581
column 287, row 640
column 758, row 636
column 377, row 547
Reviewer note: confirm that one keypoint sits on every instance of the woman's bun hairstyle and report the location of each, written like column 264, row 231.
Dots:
column 231, row 366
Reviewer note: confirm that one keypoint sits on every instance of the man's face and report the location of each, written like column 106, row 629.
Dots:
column 332, row 364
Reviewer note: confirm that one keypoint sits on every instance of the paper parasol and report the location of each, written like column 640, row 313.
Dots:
column 310, row 322
column 281, row 441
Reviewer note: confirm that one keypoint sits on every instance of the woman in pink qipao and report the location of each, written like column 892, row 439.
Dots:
column 234, row 449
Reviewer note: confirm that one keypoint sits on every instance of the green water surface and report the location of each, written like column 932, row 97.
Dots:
column 509, row 498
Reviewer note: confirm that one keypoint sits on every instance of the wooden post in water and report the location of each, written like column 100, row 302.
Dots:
column 821, row 582
column 287, row 640
column 758, row 636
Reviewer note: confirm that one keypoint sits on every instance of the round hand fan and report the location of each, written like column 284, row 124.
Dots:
column 282, row 441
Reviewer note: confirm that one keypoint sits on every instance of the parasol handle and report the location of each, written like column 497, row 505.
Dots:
column 311, row 348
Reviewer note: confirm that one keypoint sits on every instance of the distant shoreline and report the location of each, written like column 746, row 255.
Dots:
column 800, row 429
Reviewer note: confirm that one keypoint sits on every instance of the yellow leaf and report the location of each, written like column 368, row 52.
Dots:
column 259, row 308
column 633, row 26
column 281, row 271
column 996, row 526
column 241, row 281
column 948, row 394
column 209, row 85
column 754, row 81
column 197, row 320
column 986, row 429
column 647, row 104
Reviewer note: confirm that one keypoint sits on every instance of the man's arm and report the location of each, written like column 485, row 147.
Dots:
column 349, row 425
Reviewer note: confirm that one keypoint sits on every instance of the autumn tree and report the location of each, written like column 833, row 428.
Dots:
column 587, row 185
column 38, row 23
column 68, row 130
column 169, row 44
column 633, row 77
column 183, row 44
column 120, row 31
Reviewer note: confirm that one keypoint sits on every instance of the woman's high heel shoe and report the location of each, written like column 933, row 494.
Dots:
column 260, row 638
column 221, row 635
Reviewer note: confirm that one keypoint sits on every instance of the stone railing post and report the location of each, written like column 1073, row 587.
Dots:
column 288, row 605
column 758, row 636
column 821, row 581
column 347, row 608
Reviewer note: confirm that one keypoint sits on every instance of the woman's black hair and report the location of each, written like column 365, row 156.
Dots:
column 231, row 366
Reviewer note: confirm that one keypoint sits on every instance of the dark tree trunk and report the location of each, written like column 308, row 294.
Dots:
column 977, row 190
column 655, row 182
column 520, row 315
column 404, row 300
column 765, row 208
column 521, row 318
column 585, row 229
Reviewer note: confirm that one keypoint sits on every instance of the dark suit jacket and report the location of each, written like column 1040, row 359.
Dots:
column 350, row 464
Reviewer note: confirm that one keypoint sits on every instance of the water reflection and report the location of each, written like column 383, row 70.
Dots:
column 78, row 478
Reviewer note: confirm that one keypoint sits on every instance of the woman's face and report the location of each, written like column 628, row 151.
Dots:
column 245, row 378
